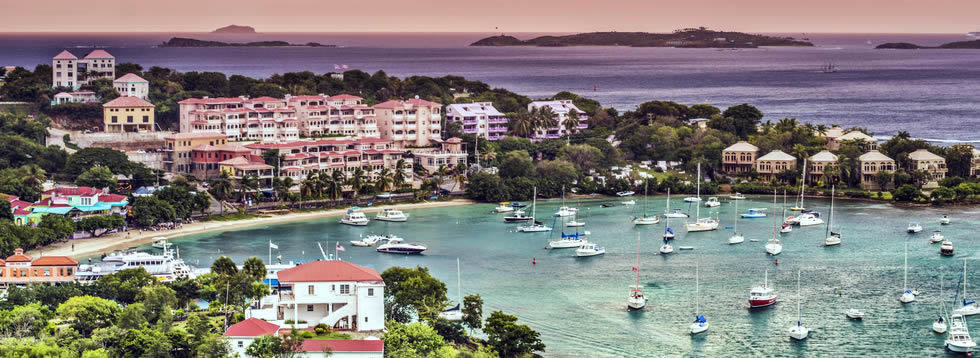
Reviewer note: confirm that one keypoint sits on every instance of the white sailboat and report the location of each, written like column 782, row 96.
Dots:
column 774, row 246
column 563, row 210
column 700, row 323
column 636, row 299
column 799, row 331
column 787, row 225
column 455, row 313
column 831, row 238
column 534, row 226
column 701, row 224
column 575, row 222
column 969, row 308
column 944, row 220
column 799, row 206
column 907, row 295
column 646, row 219
column 666, row 248
column 939, row 325
column 736, row 237
column 673, row 214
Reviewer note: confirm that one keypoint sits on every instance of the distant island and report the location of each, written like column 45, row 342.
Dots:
column 973, row 44
column 688, row 38
column 186, row 42
column 235, row 29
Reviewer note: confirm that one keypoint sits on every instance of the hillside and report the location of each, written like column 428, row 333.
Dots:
column 186, row 42
column 235, row 29
column 696, row 38
column 972, row 45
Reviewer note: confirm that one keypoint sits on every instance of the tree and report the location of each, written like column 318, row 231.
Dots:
column 473, row 311
column 584, row 156
column 150, row 210
column 883, row 179
column 412, row 340
column 943, row 195
column 87, row 313
column 123, row 286
column 384, row 180
column 398, row 179
column 224, row 266
column 132, row 317
column 264, row 347
column 25, row 320
column 158, row 300
column 254, row 269
column 702, row 111
column 906, row 193
column 87, row 158
column 413, row 291
column 521, row 124
column 5, row 210
column 745, row 117
column 510, row 339
column 516, row 164
column 221, row 188
column 98, row 225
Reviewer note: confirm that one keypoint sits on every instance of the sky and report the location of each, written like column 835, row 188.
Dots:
column 788, row 16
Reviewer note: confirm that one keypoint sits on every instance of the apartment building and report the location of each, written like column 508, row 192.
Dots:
column 449, row 153
column 739, row 158
column 178, row 154
column 263, row 119
column 409, row 123
column 562, row 109
column 128, row 114
column 770, row 165
column 870, row 164
column 67, row 70
column 131, row 85
column 834, row 141
column 75, row 97
column 342, row 114
column 302, row 158
column 479, row 118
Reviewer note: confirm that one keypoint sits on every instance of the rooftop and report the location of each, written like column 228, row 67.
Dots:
column 128, row 102
column 65, row 55
column 130, row 77
column 776, row 155
column 100, row 54
column 873, row 155
column 824, row 156
column 54, row 261
column 856, row 135
column 199, row 135
column 742, row 146
column 252, row 327
column 329, row 271
column 319, row 345
column 923, row 154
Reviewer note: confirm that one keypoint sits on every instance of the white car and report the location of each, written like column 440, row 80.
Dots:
column 385, row 195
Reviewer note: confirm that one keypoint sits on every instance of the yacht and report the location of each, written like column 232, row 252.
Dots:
column 939, row 325
column 831, row 238
column 786, row 228
column 763, row 295
column 518, row 217
column 518, row 205
column 589, row 249
column 799, row 331
column 693, row 199
column 700, row 323
column 165, row 267
column 755, row 213
column 455, row 313
column 737, row 196
column 854, row 313
column 629, row 202
column 636, row 299
column 568, row 241
column 646, row 219
column 969, row 308
column 701, row 224
column 907, row 295
column 535, row 225
column 712, row 202
column 676, row 213
column 736, row 238
column 625, row 193
column 946, row 248
column 396, row 245
column 944, row 220
column 666, row 248
column 504, row 208
column 368, row 241
column 937, row 236
column 162, row 243
column 394, row 215
column 354, row 218
column 914, row 228
column 565, row 211
column 959, row 340
column 810, row 219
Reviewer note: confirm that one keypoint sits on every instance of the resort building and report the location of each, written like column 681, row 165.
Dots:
column 479, row 118
column 819, row 164
column 410, row 123
column 930, row 163
column 78, row 202
column 241, row 167
column 739, row 158
column 67, row 70
column 178, row 156
column 206, row 158
column 562, row 110
column 450, row 153
column 21, row 211
column 20, row 269
column 868, row 142
column 128, row 114
column 75, row 97
column 338, row 115
column 770, row 165
column 302, row 158
column 131, row 85
column 337, row 293
column 240, row 335
column 870, row 164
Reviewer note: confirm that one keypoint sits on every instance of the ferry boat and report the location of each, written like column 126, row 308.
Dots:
column 396, row 245
column 762, row 296
column 354, row 218
column 165, row 267
column 394, row 215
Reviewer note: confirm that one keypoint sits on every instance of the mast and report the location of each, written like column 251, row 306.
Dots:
column 907, row 267
column 799, row 298
column 668, row 201
column 775, row 221
column 534, row 204
column 698, row 202
column 766, row 282
column 459, row 284
column 637, row 261
column 964, row 280
column 697, row 290
column 646, row 194
column 735, row 219
column 803, row 184
column 830, row 220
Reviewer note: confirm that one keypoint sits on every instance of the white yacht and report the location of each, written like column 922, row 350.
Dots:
column 854, row 313
column 396, row 245
column 368, row 241
column 646, row 219
column 799, row 331
column 354, row 218
column 625, row 193
column 799, row 205
column 831, row 238
column 589, row 249
column 969, row 308
column 568, row 241
column 534, row 226
column 958, row 340
column 937, row 236
column 736, row 238
column 944, row 220
column 810, row 219
column 907, row 295
column 737, row 196
column 774, row 246
column 504, row 208
column 712, row 202
column 394, row 215
column 946, row 248
column 701, row 224
column 666, row 248
column 165, row 267
column 636, row 299
column 565, row 211
column 693, row 199
column 518, row 217
column 914, row 228
column 676, row 213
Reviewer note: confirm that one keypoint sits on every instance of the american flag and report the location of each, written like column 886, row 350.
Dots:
column 340, row 247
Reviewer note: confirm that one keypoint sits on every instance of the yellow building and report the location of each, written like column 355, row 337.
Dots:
column 128, row 114
column 177, row 156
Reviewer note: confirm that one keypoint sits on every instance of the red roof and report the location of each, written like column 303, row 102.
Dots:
column 128, row 102
column 212, row 100
column 19, row 256
column 318, row 345
column 20, row 204
column 421, row 102
column 198, row 135
column 65, row 55
column 99, row 54
column 252, row 327
column 305, row 97
column 20, row 212
column 265, row 99
column 73, row 191
column 130, row 77
column 328, row 271
column 112, row 198
column 390, row 104
column 54, row 261
column 344, row 96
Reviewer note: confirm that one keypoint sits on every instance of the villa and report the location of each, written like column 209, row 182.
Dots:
column 739, row 158
column 241, row 167
column 71, row 201
column 67, row 70
column 819, row 164
column 410, row 123
column 75, row 97
column 770, row 165
column 930, row 163
column 479, row 118
column 562, row 109
column 131, row 85
column 20, row 269
column 870, row 164
column 450, row 153
column 128, row 114
column 240, row 335
column 868, row 142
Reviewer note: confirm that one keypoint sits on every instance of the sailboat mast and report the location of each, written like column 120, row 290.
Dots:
column 907, row 266
column 735, row 217
column 637, row 261
column 799, row 298
column 697, row 289
column 534, row 204
column 459, row 283
column 668, row 201
column 697, row 203
column 831, row 219
column 775, row 221
column 964, row 280
column 803, row 184
column 646, row 196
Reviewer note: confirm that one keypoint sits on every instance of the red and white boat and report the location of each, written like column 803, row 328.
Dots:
column 763, row 295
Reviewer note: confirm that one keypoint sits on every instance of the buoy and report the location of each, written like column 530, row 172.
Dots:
column 534, row 260
column 777, row 261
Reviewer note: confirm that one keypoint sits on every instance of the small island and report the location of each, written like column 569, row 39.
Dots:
column 235, row 29
column 186, row 42
column 686, row 38
column 974, row 45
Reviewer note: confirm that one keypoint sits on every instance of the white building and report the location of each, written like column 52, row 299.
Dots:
column 240, row 335
column 70, row 71
column 414, row 122
column 339, row 294
column 131, row 85
column 75, row 97
column 561, row 109
column 479, row 118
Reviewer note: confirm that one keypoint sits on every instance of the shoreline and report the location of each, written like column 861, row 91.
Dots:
column 80, row 248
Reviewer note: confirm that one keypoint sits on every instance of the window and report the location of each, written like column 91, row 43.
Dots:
column 115, row 119
column 47, row 272
column 365, row 319
column 241, row 344
column 344, row 289
column 309, row 308
column 310, row 289
column 370, row 293
column 129, row 119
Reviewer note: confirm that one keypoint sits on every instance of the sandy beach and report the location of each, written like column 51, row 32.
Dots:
column 79, row 248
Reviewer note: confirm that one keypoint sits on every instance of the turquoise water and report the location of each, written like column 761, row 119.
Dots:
column 579, row 304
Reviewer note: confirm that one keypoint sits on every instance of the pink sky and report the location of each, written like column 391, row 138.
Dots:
column 894, row 16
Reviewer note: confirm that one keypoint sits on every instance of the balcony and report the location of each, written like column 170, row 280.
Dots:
column 470, row 122
column 435, row 116
column 497, row 120
column 582, row 126
column 469, row 130
column 498, row 129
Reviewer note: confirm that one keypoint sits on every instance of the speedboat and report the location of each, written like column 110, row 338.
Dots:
column 626, row 193
column 396, row 245
column 946, row 248
column 854, row 313
column 518, row 217
column 692, row 199
column 939, row 325
column 937, row 236
column 646, row 220
column 712, row 202
column 810, row 219
column 774, row 247
column 737, row 196
column 589, row 249
column 944, row 220
column 394, row 215
column 629, row 202
column 914, row 228
column 370, row 240
column 762, row 295
column 354, row 218
column 533, row 227
column 504, row 208
column 755, row 213
column 833, row 239
column 959, row 339
column 569, row 241
column 565, row 211
column 792, row 220
column 786, row 228
column 676, row 214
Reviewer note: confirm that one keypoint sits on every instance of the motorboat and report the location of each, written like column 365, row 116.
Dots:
column 854, row 313
column 396, row 245
column 810, row 219
column 958, row 340
column 575, row 223
column 455, row 313
column 685, row 248
column 736, row 238
column 755, row 213
column 370, row 240
column 518, row 205
column 969, row 308
column 937, row 236
column 762, row 295
column 944, row 220
column 792, row 220
column 504, row 208
column 692, row 199
column 564, row 211
column 737, row 196
column 393, row 215
column 568, row 241
column 799, row 331
column 914, row 228
column 629, row 202
column 354, row 218
column 518, row 217
column 646, row 218
column 946, row 248
column 907, row 295
column 625, row 193
column 712, row 202
column 162, row 243
column 786, row 228
column 589, row 249
column 165, row 267
column 636, row 299
column 533, row 227
column 700, row 323
column 676, row 213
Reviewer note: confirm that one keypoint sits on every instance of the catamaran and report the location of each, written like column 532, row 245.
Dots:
column 673, row 214
column 636, row 299
column 534, row 226
column 969, row 307
column 831, row 238
column 799, row 206
column 700, row 323
column 455, row 313
column 701, row 224
column 393, row 215
column 774, row 246
column 799, row 331
column 907, row 295
column 736, row 238
column 646, row 219
column 762, row 296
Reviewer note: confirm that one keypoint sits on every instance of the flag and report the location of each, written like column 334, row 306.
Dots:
column 339, row 247
column 273, row 246
column 336, row 67
column 344, row 66
column 636, row 269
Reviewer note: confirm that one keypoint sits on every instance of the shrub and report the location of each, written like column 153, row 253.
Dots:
column 307, row 335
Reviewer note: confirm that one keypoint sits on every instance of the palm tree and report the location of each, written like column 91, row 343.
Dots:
column 822, row 129
column 307, row 188
column 356, row 181
column 442, row 172
column 281, row 185
column 221, row 189
column 800, row 151
column 521, row 124
column 384, row 180
column 460, row 181
column 544, row 118
column 570, row 124
column 247, row 184
column 489, row 157
column 398, row 179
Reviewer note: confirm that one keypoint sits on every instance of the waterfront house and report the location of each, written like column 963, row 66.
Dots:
column 67, row 70
column 302, row 158
column 819, row 164
column 739, row 158
column 131, row 85
column 770, row 165
column 78, row 202
column 240, row 335
column 75, row 97
column 337, row 293
column 561, row 109
column 450, row 153
column 410, row 123
column 21, row 210
column 479, row 118
column 128, row 114
column 930, row 163
column 868, row 142
column 20, row 269
column 870, row 164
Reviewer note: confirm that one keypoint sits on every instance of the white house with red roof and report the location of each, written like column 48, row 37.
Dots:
column 449, row 153
column 414, row 122
column 67, row 70
column 240, row 335
column 337, row 293
column 131, row 85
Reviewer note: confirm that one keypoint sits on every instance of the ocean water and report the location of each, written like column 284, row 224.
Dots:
column 579, row 304
column 930, row 93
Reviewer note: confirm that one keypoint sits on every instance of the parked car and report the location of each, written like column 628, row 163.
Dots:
column 385, row 195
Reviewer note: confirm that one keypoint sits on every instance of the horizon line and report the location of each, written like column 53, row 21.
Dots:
column 461, row 32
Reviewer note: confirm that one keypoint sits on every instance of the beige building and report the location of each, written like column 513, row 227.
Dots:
column 818, row 165
column 128, row 114
column 410, row 123
column 70, row 71
column 770, row 165
column 870, row 164
column 450, row 153
column 975, row 164
column 178, row 155
column 833, row 143
column 933, row 164
column 739, row 158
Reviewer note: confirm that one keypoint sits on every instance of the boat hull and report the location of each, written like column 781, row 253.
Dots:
column 738, row 239
column 517, row 220
column 960, row 347
column 588, row 253
column 699, row 327
column 565, row 244
column 636, row 303
column 397, row 220
column 574, row 224
column 354, row 223
column 403, row 251
column 968, row 310
column 774, row 250
column 799, row 333
column 939, row 327
column 759, row 303
column 646, row 221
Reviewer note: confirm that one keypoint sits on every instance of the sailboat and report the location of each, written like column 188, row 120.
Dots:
column 774, row 246
column 787, row 226
column 534, row 226
column 907, row 295
column 646, row 219
column 455, row 313
column 637, row 300
column 568, row 241
column 969, row 307
column 673, row 214
column 563, row 210
column 939, row 325
column 832, row 238
column 799, row 331
column 799, row 206
column 701, row 224
column 575, row 222
column 736, row 237
column 666, row 248
column 700, row 323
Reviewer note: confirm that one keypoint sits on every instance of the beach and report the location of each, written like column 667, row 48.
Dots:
column 79, row 248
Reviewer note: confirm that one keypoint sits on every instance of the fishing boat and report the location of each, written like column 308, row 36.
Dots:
column 589, row 249
column 763, row 295
column 455, row 313
column 636, row 299
column 504, row 208
column 397, row 245
column 393, row 215
column 946, row 248
column 958, row 340
column 700, row 323
column 676, row 213
column 774, row 246
column 755, row 213
column 737, row 196
column 568, row 241
column 646, row 219
column 736, row 238
column 799, row 331
column 937, row 236
column 625, row 193
column 939, row 325
column 354, row 218
column 914, row 228
column 944, row 220
column 907, row 295
column 969, row 308
column 534, row 226
column 799, row 205
column 831, row 238
column 712, row 202
column 701, row 224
